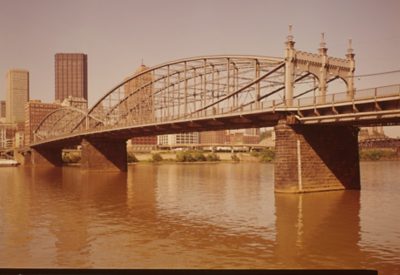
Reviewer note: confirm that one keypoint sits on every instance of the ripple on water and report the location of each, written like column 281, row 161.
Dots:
column 187, row 216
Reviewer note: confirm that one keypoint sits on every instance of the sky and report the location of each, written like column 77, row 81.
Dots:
column 118, row 34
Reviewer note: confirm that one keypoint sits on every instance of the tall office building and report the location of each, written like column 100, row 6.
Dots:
column 71, row 75
column 17, row 95
column 2, row 109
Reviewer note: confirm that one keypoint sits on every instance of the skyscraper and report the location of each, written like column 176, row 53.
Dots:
column 17, row 95
column 71, row 75
column 2, row 109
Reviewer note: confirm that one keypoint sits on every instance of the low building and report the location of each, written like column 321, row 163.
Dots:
column 242, row 137
column 371, row 133
column 213, row 137
column 35, row 112
column 178, row 139
column 146, row 143
column 7, row 135
column 76, row 102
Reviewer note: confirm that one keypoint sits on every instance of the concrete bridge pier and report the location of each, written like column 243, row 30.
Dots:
column 104, row 154
column 47, row 156
column 311, row 158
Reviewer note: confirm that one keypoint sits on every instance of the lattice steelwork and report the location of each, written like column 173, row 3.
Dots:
column 182, row 90
column 61, row 122
column 190, row 88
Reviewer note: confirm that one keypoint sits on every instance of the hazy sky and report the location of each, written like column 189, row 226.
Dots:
column 117, row 34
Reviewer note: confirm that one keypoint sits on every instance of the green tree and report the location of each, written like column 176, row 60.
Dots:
column 156, row 157
column 234, row 157
column 132, row 158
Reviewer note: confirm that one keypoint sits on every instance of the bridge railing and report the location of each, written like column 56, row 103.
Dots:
column 336, row 98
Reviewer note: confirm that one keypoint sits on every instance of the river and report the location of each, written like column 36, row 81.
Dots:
column 209, row 215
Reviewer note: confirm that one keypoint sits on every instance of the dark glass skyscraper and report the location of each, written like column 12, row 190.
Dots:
column 71, row 75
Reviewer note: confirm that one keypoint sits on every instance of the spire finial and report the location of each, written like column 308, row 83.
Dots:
column 290, row 35
column 350, row 48
column 323, row 43
column 142, row 62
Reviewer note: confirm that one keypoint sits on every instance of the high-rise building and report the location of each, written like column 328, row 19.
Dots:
column 140, row 104
column 70, row 75
column 17, row 95
column 2, row 109
column 35, row 111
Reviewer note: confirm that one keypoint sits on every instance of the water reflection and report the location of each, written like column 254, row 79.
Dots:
column 318, row 228
column 231, row 196
column 15, row 213
column 193, row 216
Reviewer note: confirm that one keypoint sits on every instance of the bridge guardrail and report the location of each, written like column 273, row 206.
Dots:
column 364, row 94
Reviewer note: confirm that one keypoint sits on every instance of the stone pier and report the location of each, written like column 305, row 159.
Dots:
column 23, row 157
column 46, row 155
column 312, row 158
column 104, row 154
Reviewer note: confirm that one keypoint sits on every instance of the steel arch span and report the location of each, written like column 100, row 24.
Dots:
column 178, row 90
column 62, row 121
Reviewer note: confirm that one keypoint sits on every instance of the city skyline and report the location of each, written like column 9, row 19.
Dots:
column 117, row 35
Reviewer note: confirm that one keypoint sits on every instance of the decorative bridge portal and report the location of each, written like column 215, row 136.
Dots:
column 316, row 130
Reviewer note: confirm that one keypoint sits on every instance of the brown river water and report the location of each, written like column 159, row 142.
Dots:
column 210, row 215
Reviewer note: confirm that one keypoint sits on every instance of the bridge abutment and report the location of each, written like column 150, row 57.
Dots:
column 47, row 156
column 104, row 154
column 311, row 158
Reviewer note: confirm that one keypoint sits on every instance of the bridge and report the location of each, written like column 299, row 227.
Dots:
column 316, row 130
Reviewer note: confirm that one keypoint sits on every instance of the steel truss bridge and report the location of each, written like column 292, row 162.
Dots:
column 216, row 92
column 316, row 130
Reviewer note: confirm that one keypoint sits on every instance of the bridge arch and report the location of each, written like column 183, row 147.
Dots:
column 204, row 86
column 62, row 121
column 188, row 87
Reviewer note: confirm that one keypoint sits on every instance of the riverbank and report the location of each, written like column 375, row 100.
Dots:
column 379, row 154
column 373, row 154
column 200, row 156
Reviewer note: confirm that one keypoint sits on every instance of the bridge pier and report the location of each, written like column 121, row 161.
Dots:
column 104, row 154
column 47, row 156
column 23, row 158
column 311, row 158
